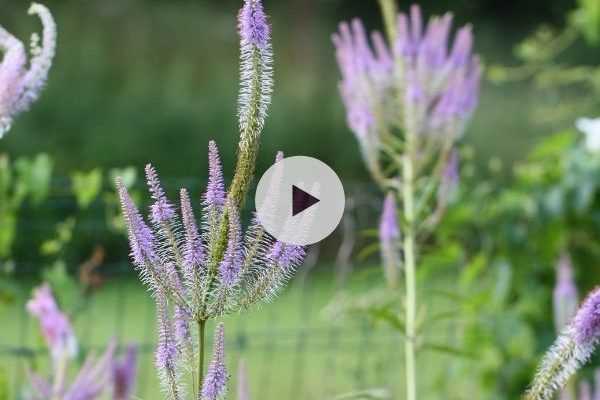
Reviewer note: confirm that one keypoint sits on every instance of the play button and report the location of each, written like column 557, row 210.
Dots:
column 300, row 200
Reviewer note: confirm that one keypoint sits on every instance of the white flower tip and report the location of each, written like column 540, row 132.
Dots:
column 37, row 8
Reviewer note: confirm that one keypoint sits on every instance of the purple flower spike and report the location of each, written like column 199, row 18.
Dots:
column 166, row 350
column 55, row 325
column 162, row 209
column 182, row 320
column 193, row 252
column 215, row 381
column 141, row 239
column 366, row 77
column 438, row 88
column 93, row 377
column 253, row 25
column 230, row 267
column 586, row 324
column 565, row 295
column 123, row 374
column 286, row 256
column 215, row 190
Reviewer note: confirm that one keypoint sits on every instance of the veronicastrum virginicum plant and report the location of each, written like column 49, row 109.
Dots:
column 21, row 85
column 200, row 274
column 408, row 102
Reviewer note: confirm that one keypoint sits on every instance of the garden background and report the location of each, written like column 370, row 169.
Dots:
column 137, row 81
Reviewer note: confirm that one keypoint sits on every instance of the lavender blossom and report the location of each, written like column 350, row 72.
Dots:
column 215, row 382
column 55, row 325
column 193, row 253
column 123, row 375
column 565, row 295
column 89, row 384
column 571, row 351
column 19, row 86
column 230, row 267
column 162, row 209
column 448, row 82
column 438, row 89
column 256, row 69
column 286, row 256
column 253, row 25
column 389, row 238
column 141, row 238
column 215, row 190
column 366, row 86
column 166, row 356
column 93, row 378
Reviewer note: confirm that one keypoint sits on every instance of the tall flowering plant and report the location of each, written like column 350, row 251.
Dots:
column 97, row 375
column 408, row 101
column 201, row 271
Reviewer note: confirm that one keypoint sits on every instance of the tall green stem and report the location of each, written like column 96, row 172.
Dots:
column 389, row 11
column 409, row 268
column 59, row 379
column 201, row 339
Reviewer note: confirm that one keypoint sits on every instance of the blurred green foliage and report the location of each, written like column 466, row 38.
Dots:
column 489, row 267
column 587, row 19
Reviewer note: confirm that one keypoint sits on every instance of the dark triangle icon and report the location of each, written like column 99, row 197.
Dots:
column 301, row 200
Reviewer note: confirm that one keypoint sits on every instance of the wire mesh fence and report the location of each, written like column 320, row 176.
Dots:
column 292, row 347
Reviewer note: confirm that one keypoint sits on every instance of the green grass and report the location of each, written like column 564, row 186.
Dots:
column 292, row 347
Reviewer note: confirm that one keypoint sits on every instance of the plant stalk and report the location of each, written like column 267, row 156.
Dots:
column 410, row 272
column 389, row 12
column 201, row 342
column 59, row 379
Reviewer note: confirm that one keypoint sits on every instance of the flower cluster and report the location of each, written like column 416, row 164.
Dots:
column 97, row 373
column 201, row 271
column 21, row 85
column 179, row 261
column 418, row 83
